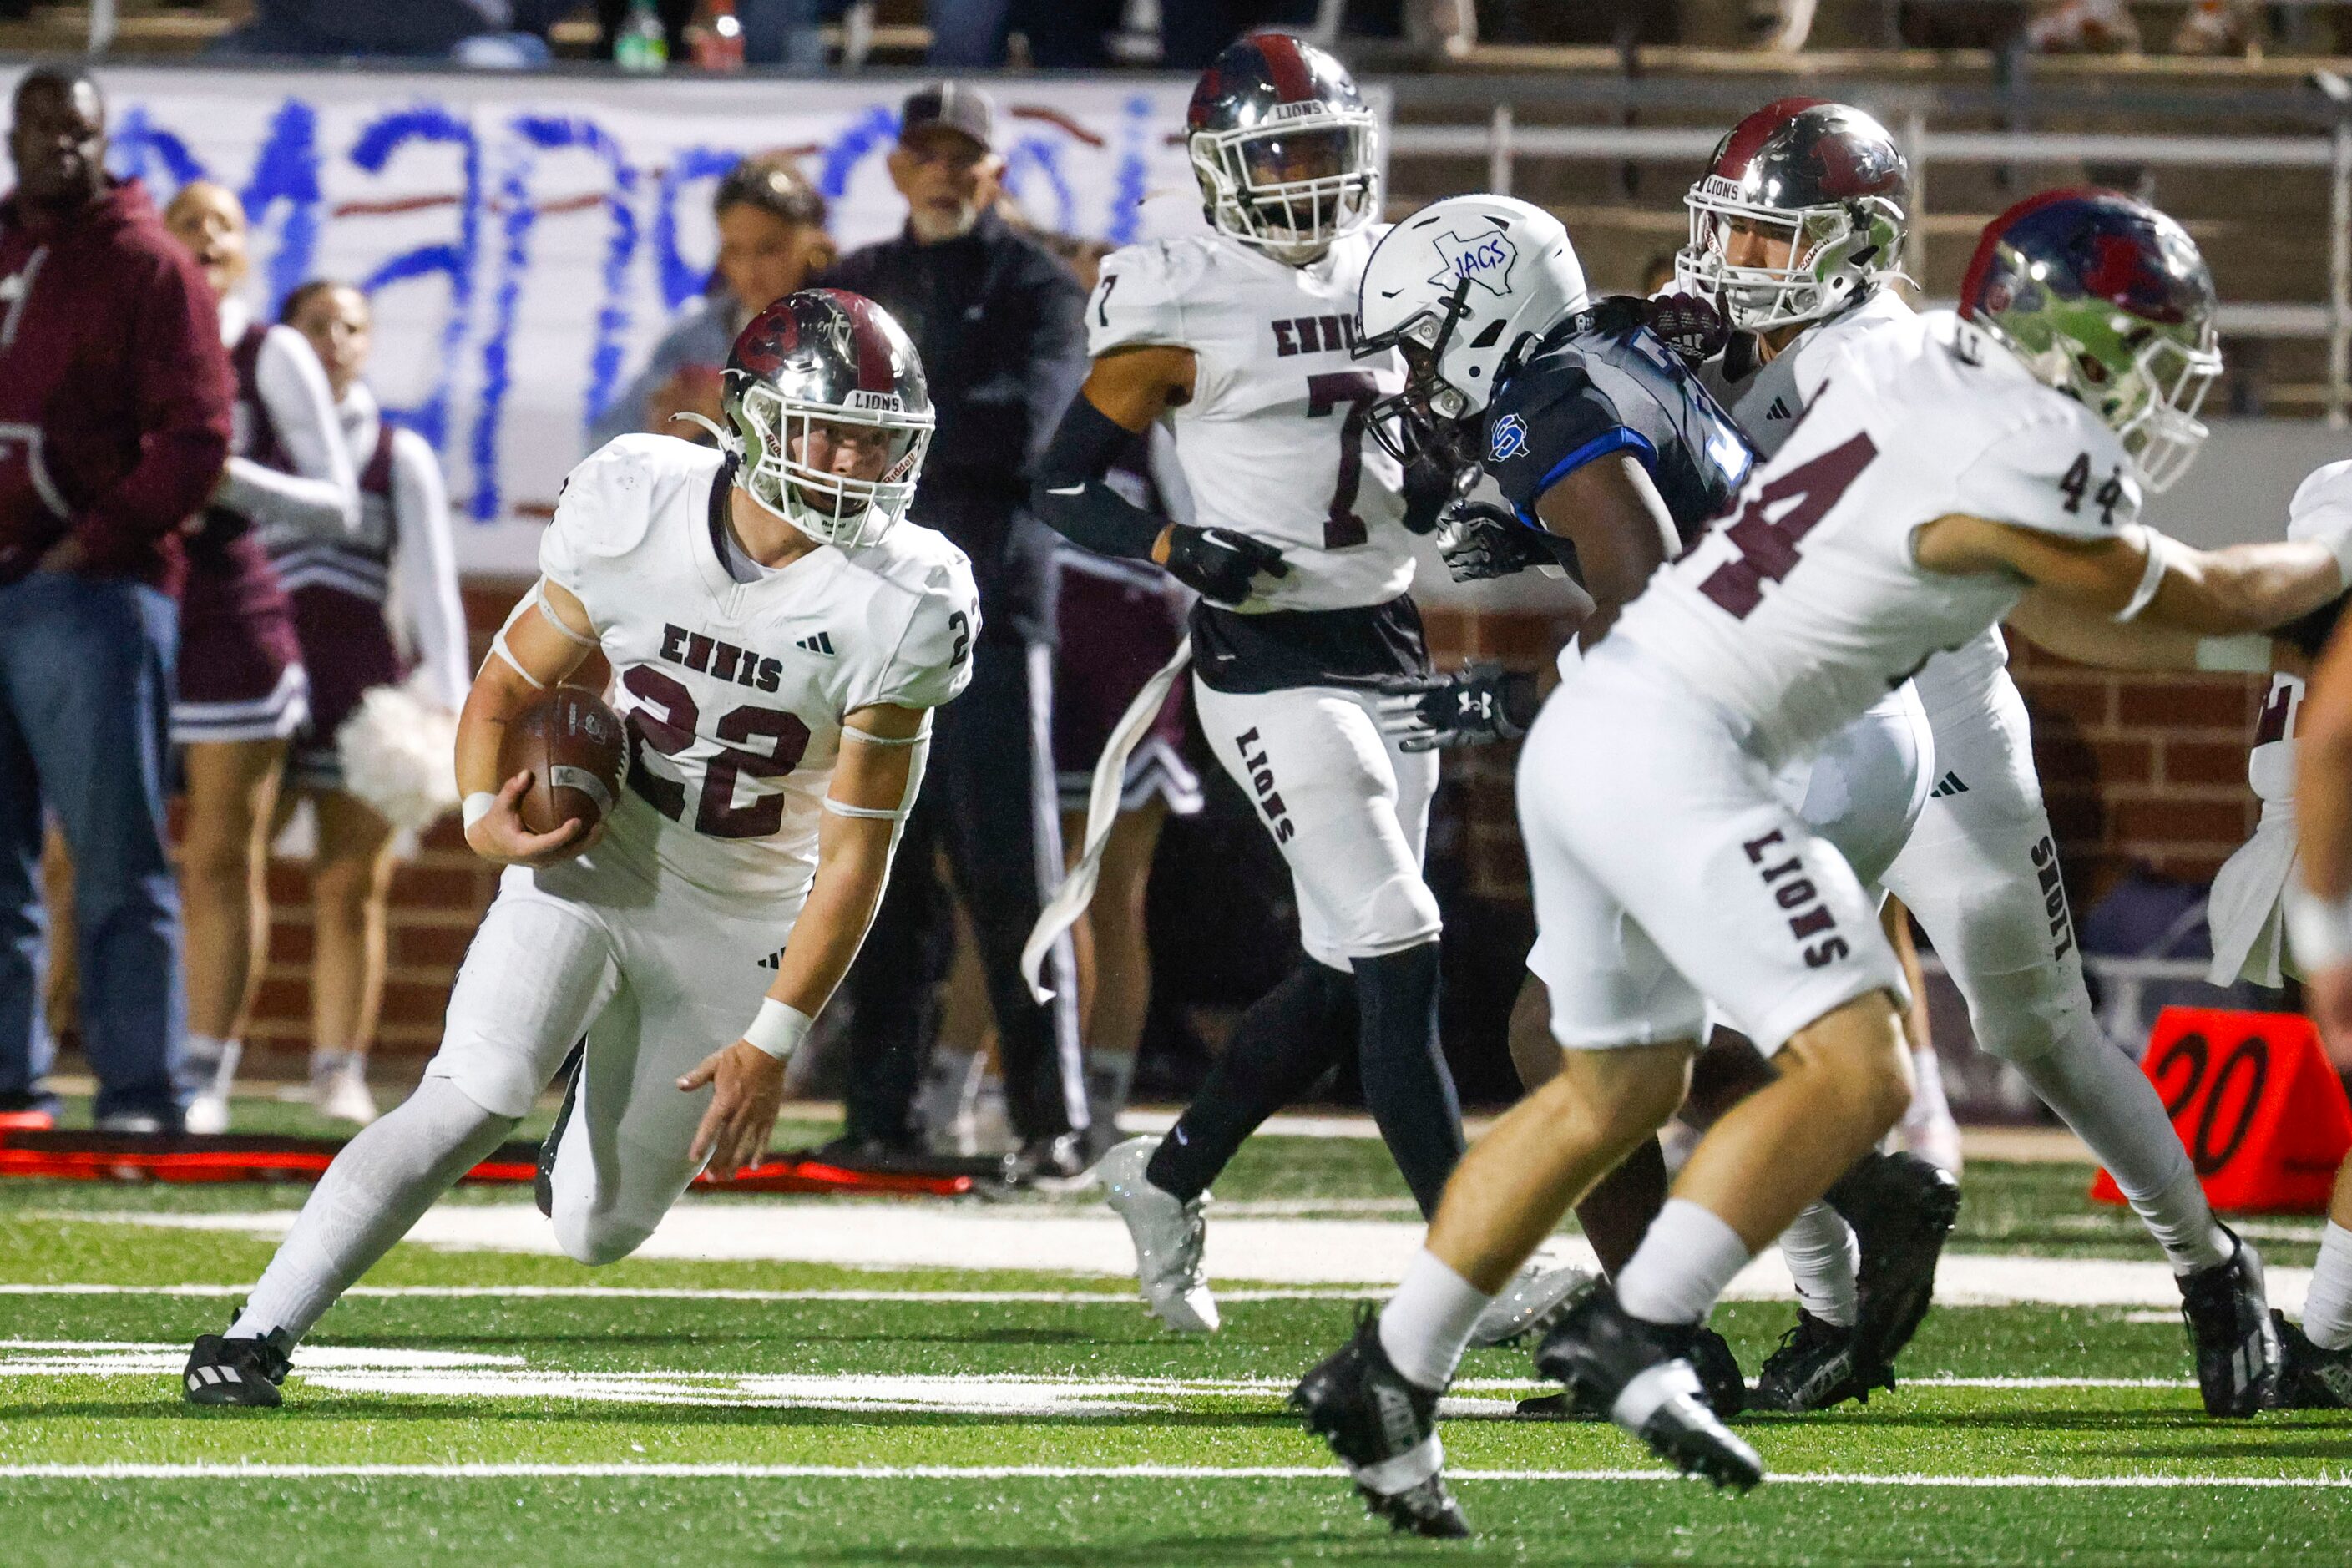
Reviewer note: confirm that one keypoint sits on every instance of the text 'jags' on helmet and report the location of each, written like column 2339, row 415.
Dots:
column 1823, row 177
column 829, row 414
column 1286, row 154
column 2108, row 300
column 1462, row 289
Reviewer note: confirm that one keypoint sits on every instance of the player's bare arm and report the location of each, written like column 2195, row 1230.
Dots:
column 1124, row 392
column 1613, row 513
column 549, row 638
column 2142, row 575
column 864, row 805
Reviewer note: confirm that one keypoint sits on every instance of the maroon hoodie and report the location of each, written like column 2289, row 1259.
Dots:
column 115, row 391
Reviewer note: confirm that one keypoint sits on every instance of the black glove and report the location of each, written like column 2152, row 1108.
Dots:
column 1218, row 563
column 1690, row 324
column 1479, row 703
column 1480, row 541
column 1430, row 482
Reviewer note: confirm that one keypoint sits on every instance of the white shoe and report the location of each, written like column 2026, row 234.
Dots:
column 341, row 1095
column 1537, row 1297
column 1168, row 1236
column 208, row 1114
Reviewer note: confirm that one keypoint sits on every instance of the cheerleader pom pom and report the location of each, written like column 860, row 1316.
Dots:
column 399, row 752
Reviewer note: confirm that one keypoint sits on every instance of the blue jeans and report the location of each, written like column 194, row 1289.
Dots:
column 85, row 698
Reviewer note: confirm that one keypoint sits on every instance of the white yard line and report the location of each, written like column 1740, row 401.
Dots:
column 1100, row 1472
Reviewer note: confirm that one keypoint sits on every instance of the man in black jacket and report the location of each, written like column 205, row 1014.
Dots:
column 999, row 323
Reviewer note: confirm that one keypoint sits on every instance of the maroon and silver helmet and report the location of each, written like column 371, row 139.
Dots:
column 1286, row 154
column 1827, row 177
column 828, row 414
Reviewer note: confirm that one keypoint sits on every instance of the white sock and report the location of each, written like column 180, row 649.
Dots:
column 378, row 1187
column 2101, row 1094
column 326, row 1063
column 2327, row 1306
column 1824, row 1257
column 206, row 1054
column 1927, row 1102
column 1681, row 1266
column 1427, row 1325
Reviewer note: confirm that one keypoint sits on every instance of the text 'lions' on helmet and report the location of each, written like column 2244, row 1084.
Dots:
column 2108, row 300
column 1462, row 289
column 829, row 413
column 1820, row 187
column 1286, row 154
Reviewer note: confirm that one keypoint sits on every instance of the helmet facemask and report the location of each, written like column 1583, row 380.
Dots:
column 1837, row 255
column 1430, row 415
column 795, row 453
column 1292, row 185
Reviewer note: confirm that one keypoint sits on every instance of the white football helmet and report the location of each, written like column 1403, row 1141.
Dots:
column 1463, row 290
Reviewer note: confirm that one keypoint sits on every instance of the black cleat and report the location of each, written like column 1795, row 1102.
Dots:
column 1641, row 1373
column 2309, row 1378
column 1902, row 1208
column 1049, row 1163
column 1813, row 1369
column 2230, row 1328
column 223, row 1371
column 542, row 1180
column 1384, row 1429
column 1710, row 1357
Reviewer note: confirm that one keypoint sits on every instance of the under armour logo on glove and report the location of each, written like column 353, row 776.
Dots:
column 1688, row 325
column 1477, row 704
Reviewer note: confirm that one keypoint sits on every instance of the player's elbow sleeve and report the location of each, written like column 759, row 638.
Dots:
column 1070, row 496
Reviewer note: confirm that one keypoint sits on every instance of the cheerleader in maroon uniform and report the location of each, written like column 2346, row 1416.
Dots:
column 242, row 691
column 374, row 610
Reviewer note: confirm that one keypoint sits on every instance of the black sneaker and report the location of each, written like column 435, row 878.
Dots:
column 1710, row 1357
column 1813, row 1369
column 1902, row 1208
column 542, row 1180
column 2230, row 1328
column 1049, row 1162
column 2309, row 1378
column 1384, row 1429
column 1641, row 1373
column 223, row 1371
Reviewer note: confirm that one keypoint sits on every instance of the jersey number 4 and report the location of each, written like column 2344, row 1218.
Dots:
column 1768, row 549
column 671, row 731
column 1355, row 389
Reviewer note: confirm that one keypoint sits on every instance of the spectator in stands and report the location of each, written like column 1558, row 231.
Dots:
column 114, row 382
column 999, row 323
column 372, row 610
column 771, row 238
column 775, row 32
column 2209, row 27
column 243, row 693
column 504, row 33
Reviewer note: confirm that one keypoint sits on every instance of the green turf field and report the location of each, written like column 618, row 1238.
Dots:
column 498, row 1406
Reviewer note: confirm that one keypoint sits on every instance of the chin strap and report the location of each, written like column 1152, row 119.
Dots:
column 729, row 442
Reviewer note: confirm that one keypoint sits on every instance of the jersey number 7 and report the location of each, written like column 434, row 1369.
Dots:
column 673, row 733
column 1325, row 394
column 1767, row 549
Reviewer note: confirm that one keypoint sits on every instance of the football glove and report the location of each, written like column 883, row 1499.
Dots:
column 1479, row 541
column 1477, row 704
column 1218, row 563
column 1689, row 324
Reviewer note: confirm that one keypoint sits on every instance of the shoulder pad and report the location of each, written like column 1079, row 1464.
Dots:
column 2057, row 468
column 2321, row 501
column 932, row 661
column 1141, row 295
column 608, row 501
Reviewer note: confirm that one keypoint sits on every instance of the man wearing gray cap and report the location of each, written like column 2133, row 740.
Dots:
column 999, row 321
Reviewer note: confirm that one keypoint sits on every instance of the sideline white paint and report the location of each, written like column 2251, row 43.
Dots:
column 1271, row 1251
column 1109, row 1473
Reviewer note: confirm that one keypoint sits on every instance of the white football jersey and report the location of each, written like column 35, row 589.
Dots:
column 1804, row 606
column 1273, row 443
column 1768, row 402
column 734, row 692
column 2322, row 498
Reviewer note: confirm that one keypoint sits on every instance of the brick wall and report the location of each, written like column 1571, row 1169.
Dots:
column 2138, row 768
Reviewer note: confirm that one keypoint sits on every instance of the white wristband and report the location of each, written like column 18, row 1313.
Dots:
column 2160, row 551
column 2246, row 655
column 778, row 1029
column 476, row 805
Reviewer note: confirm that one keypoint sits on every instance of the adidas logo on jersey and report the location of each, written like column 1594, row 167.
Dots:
column 1779, row 410
column 1948, row 784
column 773, row 960
column 821, row 643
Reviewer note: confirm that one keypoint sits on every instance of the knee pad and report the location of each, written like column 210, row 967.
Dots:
column 1401, row 913
column 2027, row 1013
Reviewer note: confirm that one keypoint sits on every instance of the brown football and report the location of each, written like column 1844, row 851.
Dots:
column 573, row 747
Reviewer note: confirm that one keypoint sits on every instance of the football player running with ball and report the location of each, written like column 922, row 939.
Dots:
column 1243, row 340
column 1931, row 492
column 777, row 633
